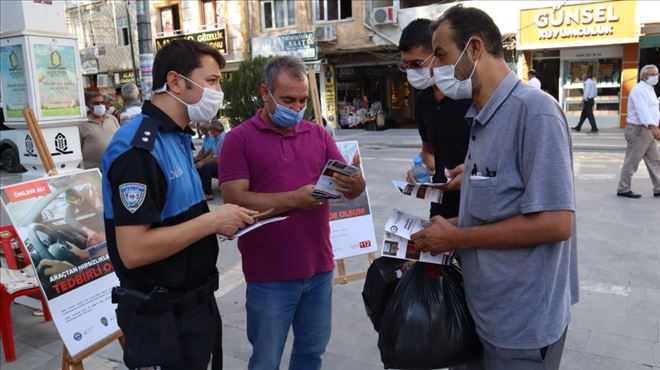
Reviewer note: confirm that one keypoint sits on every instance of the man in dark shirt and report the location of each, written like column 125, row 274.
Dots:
column 440, row 120
column 160, row 233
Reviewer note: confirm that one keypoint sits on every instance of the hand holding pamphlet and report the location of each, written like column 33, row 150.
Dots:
column 254, row 226
column 325, row 187
column 397, row 243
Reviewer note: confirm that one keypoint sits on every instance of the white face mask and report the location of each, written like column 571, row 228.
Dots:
column 652, row 80
column 446, row 81
column 206, row 108
column 420, row 78
column 99, row 110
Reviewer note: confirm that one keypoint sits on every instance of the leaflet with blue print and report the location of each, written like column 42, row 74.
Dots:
column 397, row 243
column 325, row 187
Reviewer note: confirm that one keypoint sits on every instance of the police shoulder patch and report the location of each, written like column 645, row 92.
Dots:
column 132, row 195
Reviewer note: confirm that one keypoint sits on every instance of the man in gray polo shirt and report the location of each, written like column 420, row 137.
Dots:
column 514, row 234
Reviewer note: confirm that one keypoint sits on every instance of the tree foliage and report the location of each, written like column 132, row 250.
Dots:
column 242, row 91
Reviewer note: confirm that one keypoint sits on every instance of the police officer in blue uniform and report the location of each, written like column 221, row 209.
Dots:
column 161, row 235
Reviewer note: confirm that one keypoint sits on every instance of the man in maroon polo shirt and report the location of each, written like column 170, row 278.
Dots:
column 273, row 160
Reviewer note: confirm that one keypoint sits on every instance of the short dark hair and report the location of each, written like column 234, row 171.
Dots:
column 91, row 94
column 468, row 22
column 181, row 56
column 417, row 33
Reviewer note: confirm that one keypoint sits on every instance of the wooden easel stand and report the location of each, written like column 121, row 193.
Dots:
column 68, row 362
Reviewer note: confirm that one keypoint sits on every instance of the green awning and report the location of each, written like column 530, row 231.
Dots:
column 652, row 41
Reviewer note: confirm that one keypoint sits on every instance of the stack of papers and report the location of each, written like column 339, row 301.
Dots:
column 397, row 243
column 325, row 187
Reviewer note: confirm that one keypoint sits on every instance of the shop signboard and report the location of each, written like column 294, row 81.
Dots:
column 125, row 77
column 594, row 23
column 59, row 220
column 351, row 223
column 215, row 38
column 330, row 96
column 57, row 80
column 300, row 44
column 13, row 76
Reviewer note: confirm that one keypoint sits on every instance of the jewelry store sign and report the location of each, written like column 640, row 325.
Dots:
column 215, row 38
column 301, row 44
column 598, row 23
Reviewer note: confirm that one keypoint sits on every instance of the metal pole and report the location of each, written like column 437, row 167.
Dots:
column 130, row 43
column 144, row 26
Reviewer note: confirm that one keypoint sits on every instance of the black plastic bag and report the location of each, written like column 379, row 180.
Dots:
column 382, row 277
column 426, row 324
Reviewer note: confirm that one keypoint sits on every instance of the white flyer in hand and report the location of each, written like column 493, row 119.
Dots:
column 403, row 224
column 254, row 226
column 325, row 187
column 419, row 191
column 432, row 184
column 397, row 247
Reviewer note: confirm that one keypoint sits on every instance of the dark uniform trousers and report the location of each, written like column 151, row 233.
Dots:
column 173, row 333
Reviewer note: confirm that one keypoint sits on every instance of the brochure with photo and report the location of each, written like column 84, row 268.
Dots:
column 396, row 240
column 419, row 191
column 325, row 187
column 401, row 248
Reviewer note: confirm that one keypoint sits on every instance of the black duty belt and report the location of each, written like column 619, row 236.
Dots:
column 161, row 299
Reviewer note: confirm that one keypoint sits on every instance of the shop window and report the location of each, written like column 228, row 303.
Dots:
column 607, row 75
column 332, row 10
column 278, row 13
column 123, row 36
column 169, row 19
column 122, row 33
column 209, row 15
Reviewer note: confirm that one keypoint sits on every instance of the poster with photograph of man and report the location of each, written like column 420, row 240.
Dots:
column 61, row 224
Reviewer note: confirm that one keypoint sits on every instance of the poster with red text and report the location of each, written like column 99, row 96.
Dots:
column 351, row 224
column 59, row 219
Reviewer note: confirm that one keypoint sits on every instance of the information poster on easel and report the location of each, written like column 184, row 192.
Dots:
column 59, row 219
column 351, row 224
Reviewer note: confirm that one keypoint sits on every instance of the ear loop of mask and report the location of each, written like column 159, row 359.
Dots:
column 163, row 89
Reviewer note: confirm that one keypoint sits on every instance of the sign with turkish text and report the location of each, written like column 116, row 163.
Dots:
column 146, row 77
column 597, row 23
column 215, row 38
column 301, row 44
column 125, row 77
column 57, row 80
column 60, row 222
column 329, row 92
column 14, row 85
column 351, row 224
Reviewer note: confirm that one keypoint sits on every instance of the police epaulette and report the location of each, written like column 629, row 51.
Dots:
column 145, row 136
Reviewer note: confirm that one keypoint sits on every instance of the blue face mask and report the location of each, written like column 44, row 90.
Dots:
column 285, row 117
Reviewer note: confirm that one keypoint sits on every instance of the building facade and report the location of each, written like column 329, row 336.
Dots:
column 220, row 23
column 106, row 32
column 611, row 40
